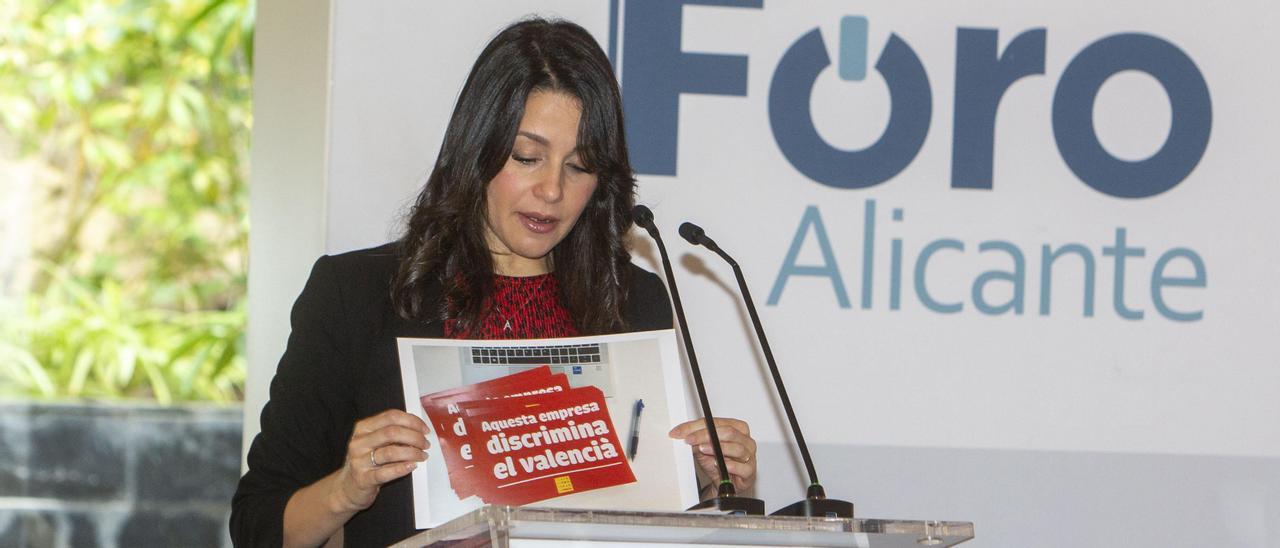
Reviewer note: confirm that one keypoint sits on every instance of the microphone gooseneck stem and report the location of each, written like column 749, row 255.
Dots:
column 815, row 488
column 725, row 489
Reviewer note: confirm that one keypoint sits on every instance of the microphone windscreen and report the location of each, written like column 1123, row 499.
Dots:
column 692, row 233
column 642, row 216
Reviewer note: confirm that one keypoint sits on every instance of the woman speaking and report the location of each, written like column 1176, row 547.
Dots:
column 518, row 233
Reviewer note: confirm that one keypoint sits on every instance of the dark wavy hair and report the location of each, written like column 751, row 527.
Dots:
column 444, row 241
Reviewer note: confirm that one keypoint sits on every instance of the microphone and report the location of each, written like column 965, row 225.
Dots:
column 726, row 499
column 815, row 503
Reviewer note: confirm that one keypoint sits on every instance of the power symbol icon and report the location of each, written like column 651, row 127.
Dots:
column 853, row 48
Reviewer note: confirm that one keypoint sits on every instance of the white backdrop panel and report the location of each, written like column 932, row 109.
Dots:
column 986, row 407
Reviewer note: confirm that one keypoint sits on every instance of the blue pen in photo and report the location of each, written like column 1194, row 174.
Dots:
column 634, row 442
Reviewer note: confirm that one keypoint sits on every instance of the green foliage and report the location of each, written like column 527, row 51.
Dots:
column 142, row 109
column 83, row 341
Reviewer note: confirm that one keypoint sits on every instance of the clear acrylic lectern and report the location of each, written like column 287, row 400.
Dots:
column 503, row 526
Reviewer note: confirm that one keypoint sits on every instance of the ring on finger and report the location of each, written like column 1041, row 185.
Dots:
column 372, row 459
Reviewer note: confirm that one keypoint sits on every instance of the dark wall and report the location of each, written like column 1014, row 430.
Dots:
column 117, row 475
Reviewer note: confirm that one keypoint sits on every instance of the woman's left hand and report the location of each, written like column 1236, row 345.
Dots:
column 736, row 443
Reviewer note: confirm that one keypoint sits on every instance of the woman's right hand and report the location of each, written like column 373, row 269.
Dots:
column 383, row 447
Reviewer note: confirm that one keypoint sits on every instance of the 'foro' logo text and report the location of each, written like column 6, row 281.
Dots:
column 656, row 72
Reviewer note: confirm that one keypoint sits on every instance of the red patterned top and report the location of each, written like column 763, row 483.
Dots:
column 523, row 308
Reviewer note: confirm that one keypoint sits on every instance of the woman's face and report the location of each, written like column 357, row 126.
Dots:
column 537, row 197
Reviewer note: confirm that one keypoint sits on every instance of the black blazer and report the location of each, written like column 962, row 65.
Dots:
column 340, row 366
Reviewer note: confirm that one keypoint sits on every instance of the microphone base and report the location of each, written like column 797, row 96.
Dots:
column 731, row 505
column 818, row 508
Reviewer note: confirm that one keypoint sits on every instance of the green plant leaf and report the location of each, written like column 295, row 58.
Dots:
column 159, row 386
column 128, row 359
column 127, row 106
column 20, row 366
column 80, row 370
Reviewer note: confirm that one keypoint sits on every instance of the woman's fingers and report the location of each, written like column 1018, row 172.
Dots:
column 732, row 451
column 735, row 438
column 391, row 417
column 741, row 473
column 396, row 454
column 744, row 445
column 734, row 458
column 386, row 444
column 387, row 435
column 737, row 470
column 736, row 444
column 384, row 474
column 382, row 448
column 685, row 429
